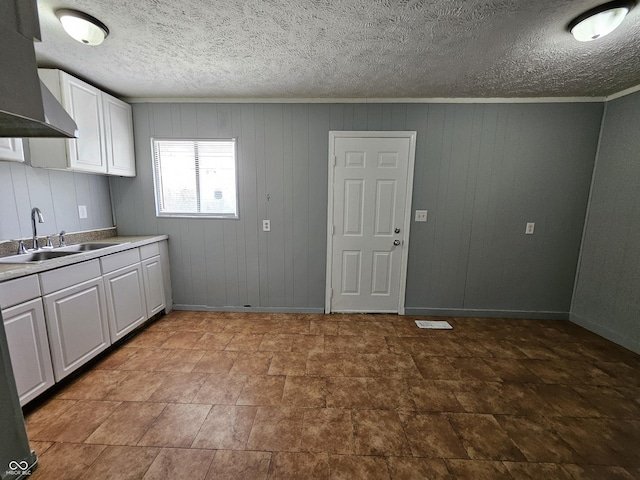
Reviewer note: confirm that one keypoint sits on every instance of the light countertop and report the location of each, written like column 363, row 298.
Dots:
column 10, row 271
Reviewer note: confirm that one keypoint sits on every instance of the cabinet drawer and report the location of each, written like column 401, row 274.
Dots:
column 60, row 278
column 148, row 251
column 119, row 260
column 18, row 291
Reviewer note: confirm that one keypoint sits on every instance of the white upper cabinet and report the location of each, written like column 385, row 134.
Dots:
column 84, row 104
column 11, row 149
column 105, row 130
column 118, row 124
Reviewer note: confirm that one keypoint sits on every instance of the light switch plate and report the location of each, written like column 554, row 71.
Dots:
column 421, row 216
column 530, row 228
column 266, row 225
column 82, row 211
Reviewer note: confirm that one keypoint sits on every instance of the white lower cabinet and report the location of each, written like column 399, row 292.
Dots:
column 26, row 329
column 153, row 278
column 76, row 316
column 28, row 348
column 125, row 292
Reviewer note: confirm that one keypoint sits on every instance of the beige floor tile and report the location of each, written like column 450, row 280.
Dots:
column 379, row 432
column 122, row 463
column 288, row 363
column 535, row 471
column 214, row 341
column 262, row 390
column 276, row 429
column 77, row 422
column 408, row 468
column 279, row 342
column 294, row 466
column 249, row 342
column 177, row 426
column 182, row 340
column 93, row 385
column 327, row 430
column 235, row 465
column 216, row 362
column 176, row 463
column 484, row 438
column 227, row 427
column 178, row 387
column 304, row 392
column 138, row 386
column 252, row 363
column 220, row 389
column 126, row 424
column 180, row 360
column 68, row 461
column 431, row 435
column 349, row 467
column 477, row 470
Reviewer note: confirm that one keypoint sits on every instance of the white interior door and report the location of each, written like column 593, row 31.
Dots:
column 370, row 183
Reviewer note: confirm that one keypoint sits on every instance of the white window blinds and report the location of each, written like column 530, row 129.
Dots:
column 195, row 178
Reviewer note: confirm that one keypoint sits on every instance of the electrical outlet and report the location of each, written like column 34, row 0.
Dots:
column 82, row 211
column 530, row 228
column 421, row 216
column 266, row 225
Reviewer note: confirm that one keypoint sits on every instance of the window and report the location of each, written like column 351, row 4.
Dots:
column 195, row 178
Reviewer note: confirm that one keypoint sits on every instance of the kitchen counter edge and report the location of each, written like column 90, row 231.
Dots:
column 11, row 271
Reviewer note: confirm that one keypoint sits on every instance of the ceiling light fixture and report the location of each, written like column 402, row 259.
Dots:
column 599, row 21
column 82, row 27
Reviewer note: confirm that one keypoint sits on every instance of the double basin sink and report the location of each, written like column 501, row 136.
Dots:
column 50, row 254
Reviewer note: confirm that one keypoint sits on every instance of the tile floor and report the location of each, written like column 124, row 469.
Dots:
column 249, row 396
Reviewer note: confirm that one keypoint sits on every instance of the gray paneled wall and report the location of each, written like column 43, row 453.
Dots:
column 607, row 292
column 482, row 171
column 57, row 194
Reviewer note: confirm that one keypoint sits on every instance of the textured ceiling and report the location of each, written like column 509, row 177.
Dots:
column 343, row 49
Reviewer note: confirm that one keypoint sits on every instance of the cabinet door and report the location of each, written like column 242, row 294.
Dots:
column 84, row 104
column 153, row 285
column 77, row 324
column 125, row 300
column 28, row 348
column 11, row 149
column 118, row 137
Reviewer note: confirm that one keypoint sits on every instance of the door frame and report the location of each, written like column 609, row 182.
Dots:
column 333, row 135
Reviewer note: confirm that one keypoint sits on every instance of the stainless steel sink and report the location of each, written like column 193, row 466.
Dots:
column 86, row 247
column 34, row 257
column 43, row 255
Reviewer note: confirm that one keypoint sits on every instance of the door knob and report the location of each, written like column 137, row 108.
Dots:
column 396, row 242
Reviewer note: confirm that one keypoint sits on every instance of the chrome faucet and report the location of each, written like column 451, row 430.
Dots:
column 35, row 211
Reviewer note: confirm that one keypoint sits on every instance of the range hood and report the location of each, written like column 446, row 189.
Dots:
column 55, row 121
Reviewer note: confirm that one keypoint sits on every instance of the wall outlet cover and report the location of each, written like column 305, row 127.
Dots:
column 82, row 211
column 530, row 228
column 266, row 225
column 421, row 216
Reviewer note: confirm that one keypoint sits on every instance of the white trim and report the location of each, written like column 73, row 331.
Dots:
column 240, row 309
column 411, row 135
column 481, row 313
column 623, row 93
column 368, row 100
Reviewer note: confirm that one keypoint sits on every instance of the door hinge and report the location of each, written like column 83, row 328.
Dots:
column 335, row 160
column 333, row 229
column 331, row 293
